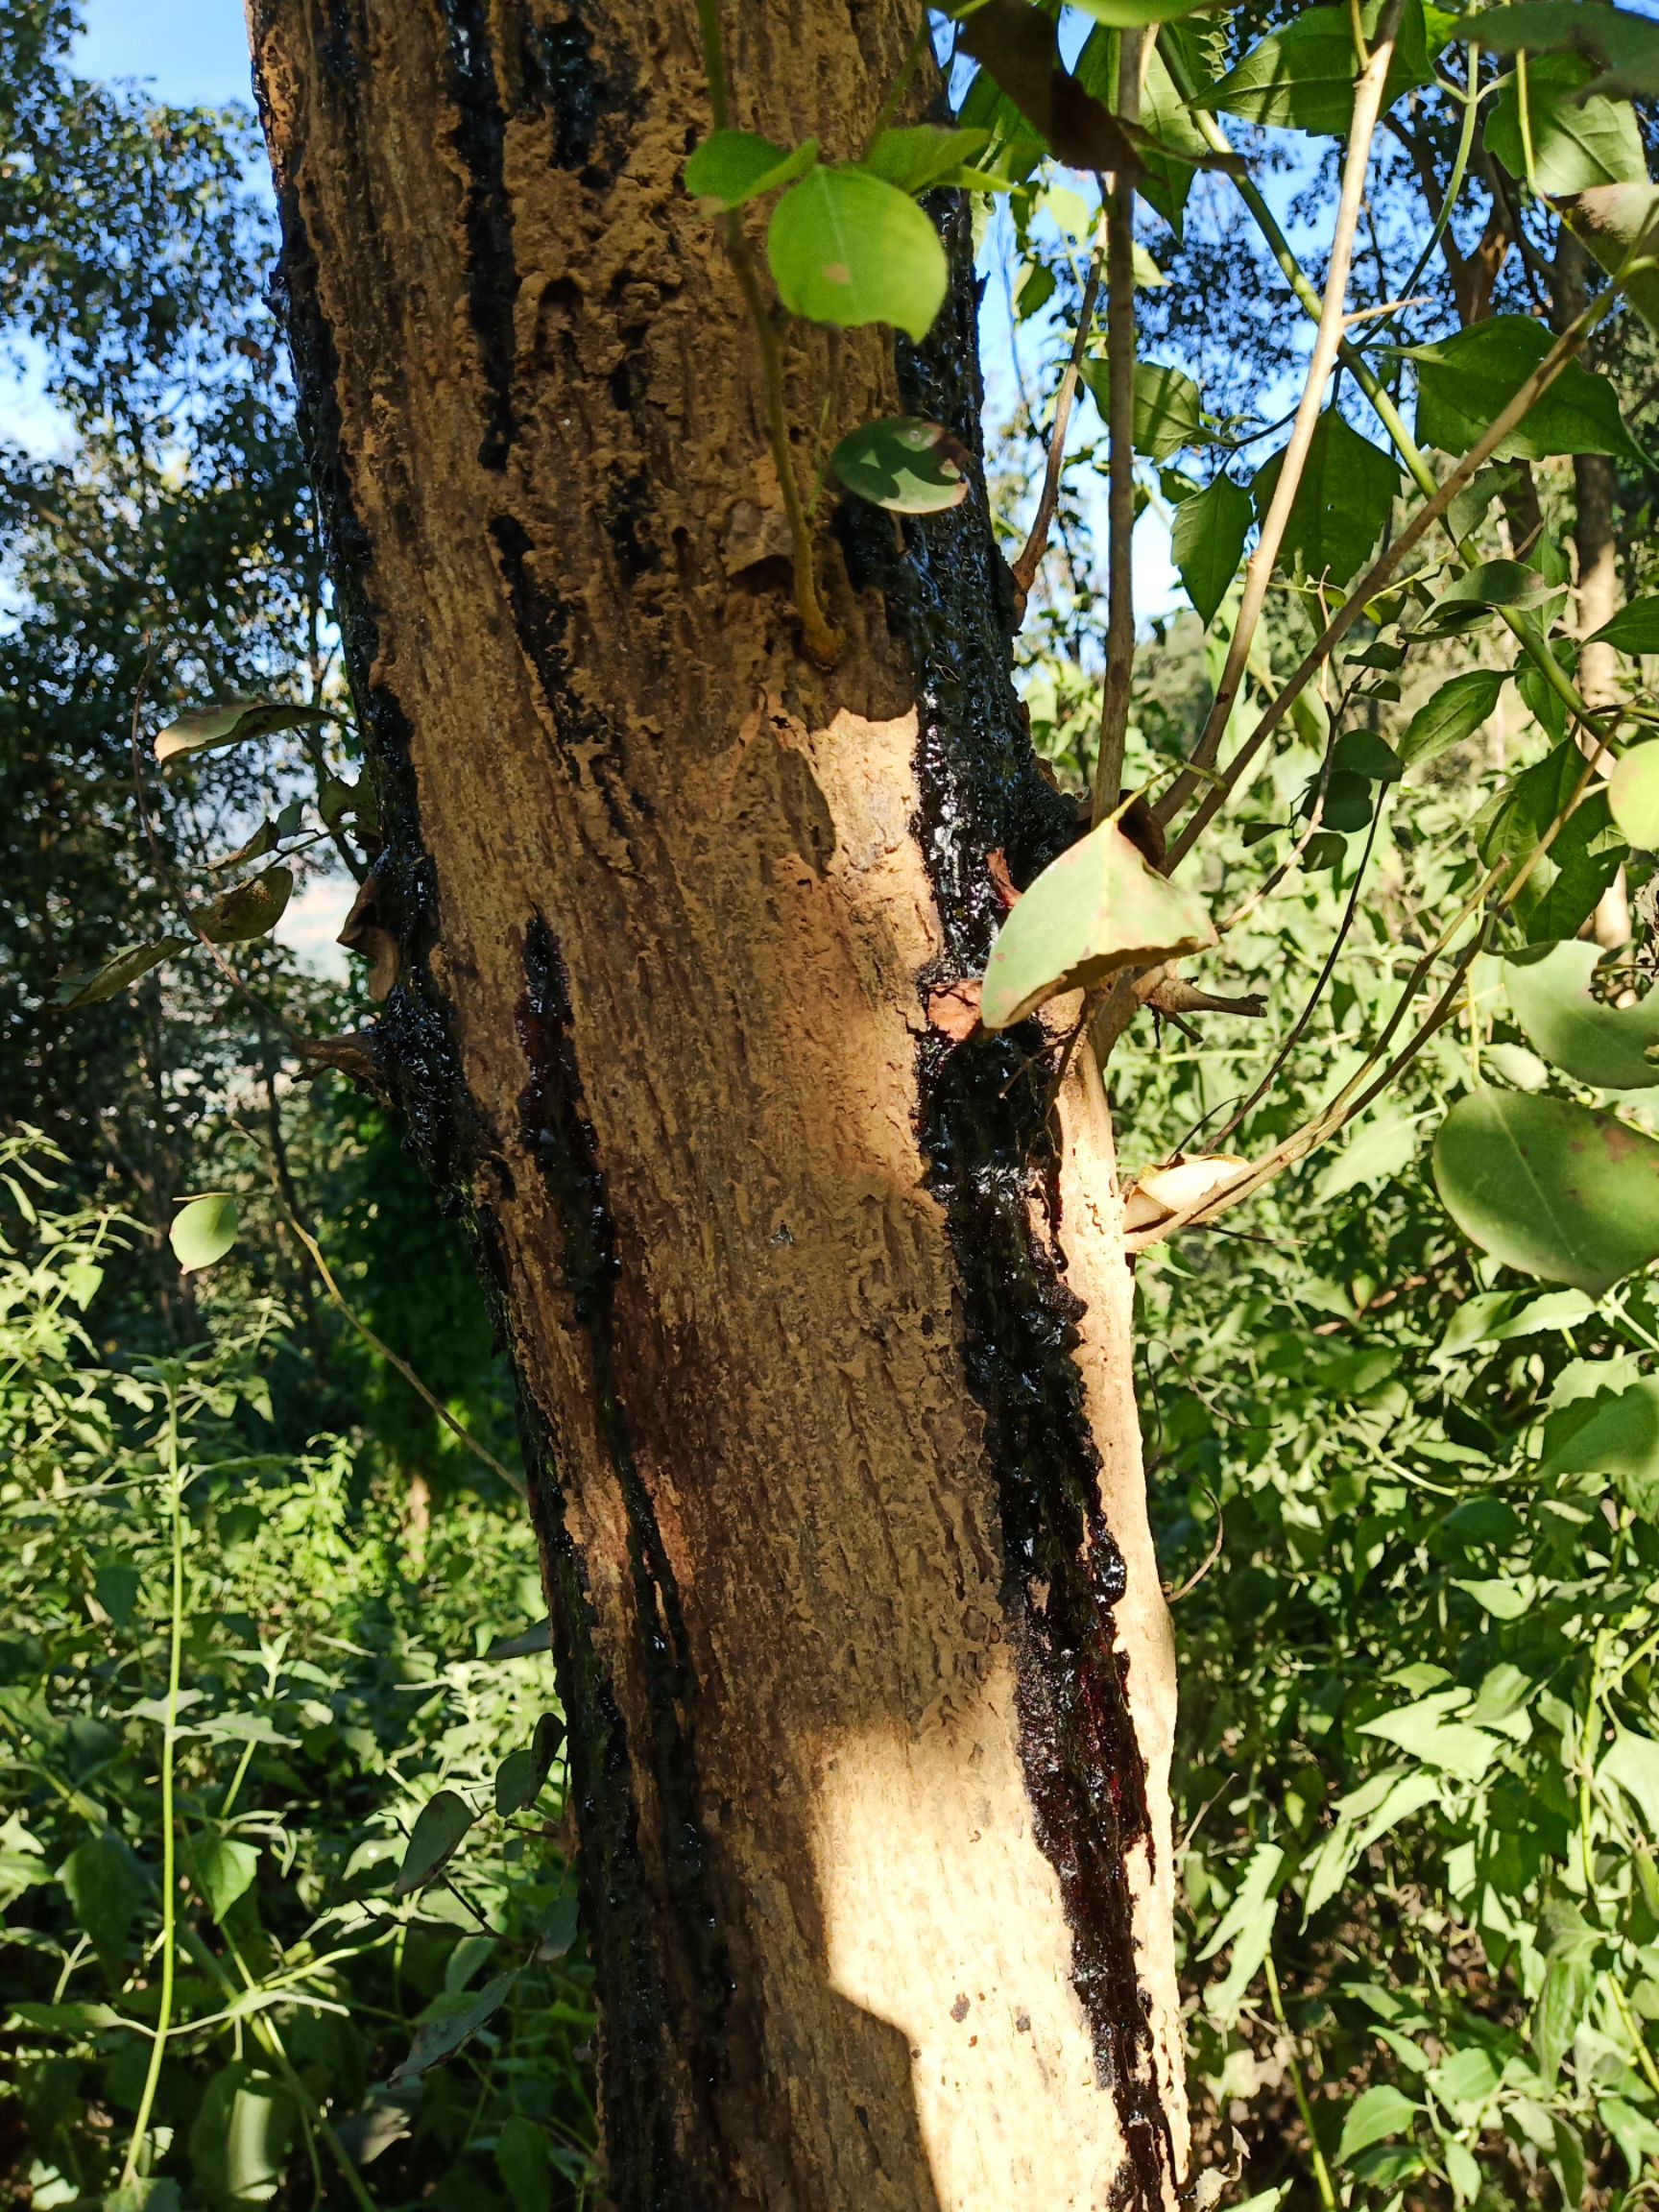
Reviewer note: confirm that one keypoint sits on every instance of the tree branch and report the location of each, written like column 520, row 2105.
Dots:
column 1368, row 95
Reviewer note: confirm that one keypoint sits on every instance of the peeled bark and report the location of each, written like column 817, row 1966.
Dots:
column 821, row 1322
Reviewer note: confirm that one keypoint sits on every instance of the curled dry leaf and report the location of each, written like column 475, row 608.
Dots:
column 364, row 933
column 1019, row 48
column 1002, row 881
column 1159, row 1193
column 954, row 1008
column 232, row 722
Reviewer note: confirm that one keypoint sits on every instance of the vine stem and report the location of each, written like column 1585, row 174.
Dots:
column 823, row 641
column 1120, row 679
column 1368, row 94
column 515, row 1482
column 1029, row 558
column 169, row 1743
column 1304, row 2103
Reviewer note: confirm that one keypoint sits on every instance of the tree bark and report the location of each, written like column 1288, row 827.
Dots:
column 822, row 1323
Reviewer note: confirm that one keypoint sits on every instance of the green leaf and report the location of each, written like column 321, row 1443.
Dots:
column 1364, row 1819
column 523, row 2162
column 1130, row 14
column 224, row 1870
column 1463, row 2172
column 1623, row 44
column 1550, row 998
column 1561, row 892
column 905, row 464
column 1613, row 1433
column 1634, row 629
column 1343, row 503
column 1560, row 2006
column 1464, row 382
column 1633, row 795
column 1207, row 542
column 1302, row 78
column 251, row 910
column 118, row 973
column 1577, row 143
column 1452, row 712
column 234, row 722
column 1097, row 908
column 1632, row 1762
column 1168, row 406
column 105, row 1887
column 241, row 2137
column 450, row 2023
column 521, row 1774
column 735, row 166
column 1380, row 2111
column 847, row 249
column 557, row 1929
column 65, row 2019
column 116, row 1584
column 1470, row 597
column 1425, row 1731
column 435, row 1836
column 204, row 1230
column 923, row 154
column 1616, row 224
column 1550, row 1188
column 1363, row 753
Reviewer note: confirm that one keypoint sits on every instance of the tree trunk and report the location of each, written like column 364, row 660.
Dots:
column 822, row 1323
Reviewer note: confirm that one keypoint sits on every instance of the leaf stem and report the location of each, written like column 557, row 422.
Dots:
column 822, row 640
column 1029, row 558
column 168, row 1741
column 1118, row 683
column 1299, row 2087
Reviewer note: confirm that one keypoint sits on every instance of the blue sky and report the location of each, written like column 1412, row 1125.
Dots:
column 194, row 51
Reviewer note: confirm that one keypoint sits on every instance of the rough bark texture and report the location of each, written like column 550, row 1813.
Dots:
column 823, row 1333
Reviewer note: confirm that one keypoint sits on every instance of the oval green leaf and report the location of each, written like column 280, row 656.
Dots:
column 433, row 1842
column 902, row 463
column 1097, row 908
column 1464, row 383
column 1633, row 796
column 251, row 910
column 1607, row 1045
column 1634, row 629
column 204, row 1231
column 1452, row 712
column 1550, row 1188
column 122, row 969
column 1206, row 542
column 847, row 249
column 234, row 722
column 734, row 166
column 923, row 154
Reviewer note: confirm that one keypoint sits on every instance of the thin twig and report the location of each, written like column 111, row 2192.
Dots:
column 1385, row 567
column 1368, row 95
column 169, row 874
column 1029, row 558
